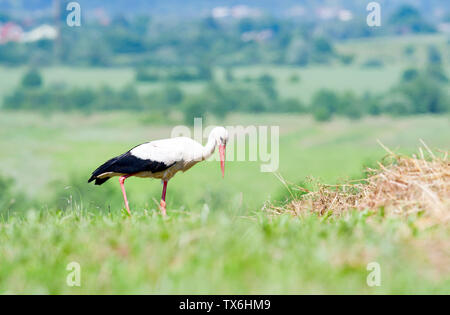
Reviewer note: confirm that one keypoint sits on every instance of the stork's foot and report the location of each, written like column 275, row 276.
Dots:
column 162, row 206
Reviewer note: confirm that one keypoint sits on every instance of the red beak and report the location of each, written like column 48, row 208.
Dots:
column 222, row 158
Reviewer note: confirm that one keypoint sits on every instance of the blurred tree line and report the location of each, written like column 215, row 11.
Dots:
column 145, row 40
column 216, row 98
column 419, row 91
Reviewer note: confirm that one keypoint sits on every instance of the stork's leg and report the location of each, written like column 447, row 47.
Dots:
column 122, row 181
column 163, row 198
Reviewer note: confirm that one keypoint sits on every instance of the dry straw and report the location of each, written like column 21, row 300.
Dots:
column 401, row 186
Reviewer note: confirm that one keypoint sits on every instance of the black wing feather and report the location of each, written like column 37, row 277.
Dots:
column 127, row 164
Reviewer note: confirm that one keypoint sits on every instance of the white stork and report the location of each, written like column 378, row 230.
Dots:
column 161, row 159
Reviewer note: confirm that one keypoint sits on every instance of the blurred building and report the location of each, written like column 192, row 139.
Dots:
column 237, row 12
column 10, row 32
column 41, row 32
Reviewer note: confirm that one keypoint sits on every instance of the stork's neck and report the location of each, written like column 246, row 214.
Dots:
column 210, row 146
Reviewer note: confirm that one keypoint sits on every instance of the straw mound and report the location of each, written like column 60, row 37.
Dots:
column 401, row 186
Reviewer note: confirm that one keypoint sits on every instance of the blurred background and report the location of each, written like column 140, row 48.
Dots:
column 72, row 97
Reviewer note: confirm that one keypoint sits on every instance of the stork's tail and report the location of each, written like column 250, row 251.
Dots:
column 104, row 168
column 98, row 181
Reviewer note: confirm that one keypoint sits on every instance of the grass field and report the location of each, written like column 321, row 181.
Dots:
column 205, row 252
column 216, row 238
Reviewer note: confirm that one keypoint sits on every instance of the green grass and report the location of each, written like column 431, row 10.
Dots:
column 204, row 253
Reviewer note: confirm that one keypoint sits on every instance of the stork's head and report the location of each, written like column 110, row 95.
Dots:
column 221, row 136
